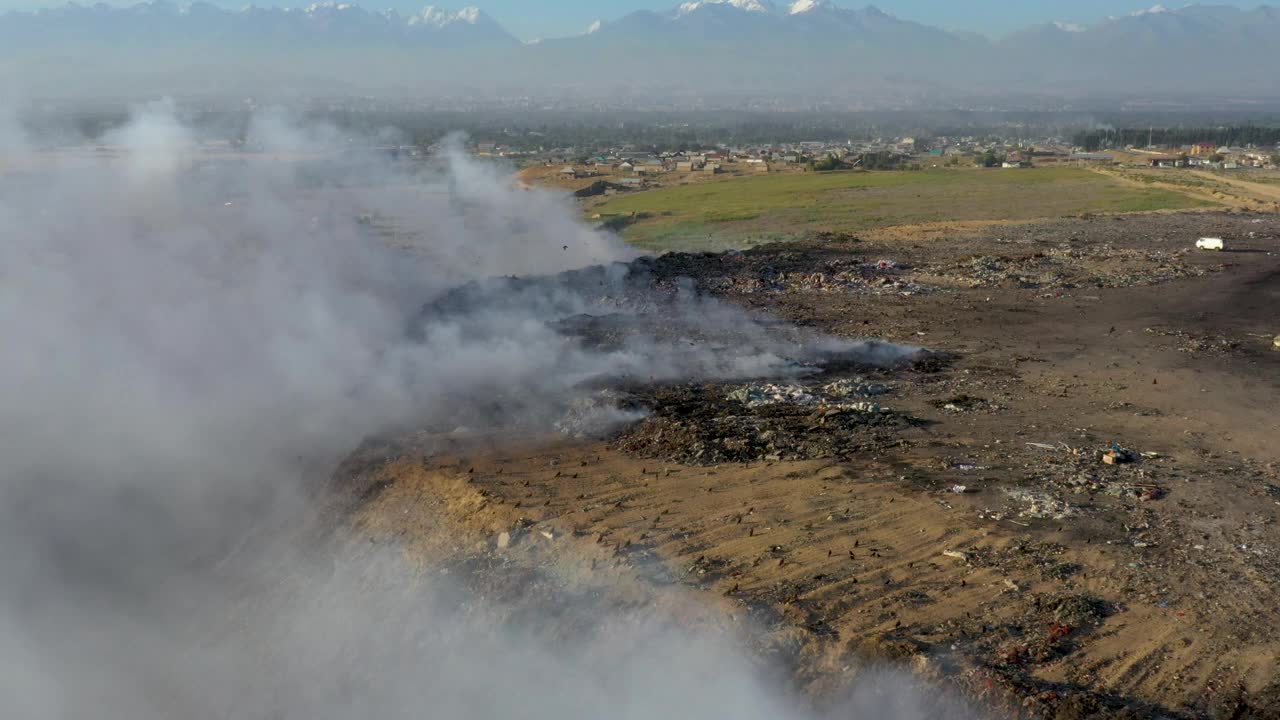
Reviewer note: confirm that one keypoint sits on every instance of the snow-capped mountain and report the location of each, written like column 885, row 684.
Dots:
column 736, row 21
column 164, row 22
column 751, row 6
column 756, row 48
column 1221, row 47
column 800, row 7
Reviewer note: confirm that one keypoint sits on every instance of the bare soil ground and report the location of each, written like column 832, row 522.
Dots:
column 971, row 531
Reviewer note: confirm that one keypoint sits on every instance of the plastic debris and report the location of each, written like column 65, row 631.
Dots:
column 833, row 396
column 1040, row 505
column 854, row 387
column 1117, row 455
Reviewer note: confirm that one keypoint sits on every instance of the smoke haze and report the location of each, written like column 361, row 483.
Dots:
column 194, row 339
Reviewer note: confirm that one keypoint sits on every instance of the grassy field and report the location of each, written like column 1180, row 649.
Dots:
column 1257, row 190
column 739, row 212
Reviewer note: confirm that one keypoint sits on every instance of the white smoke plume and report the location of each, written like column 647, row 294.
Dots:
column 194, row 336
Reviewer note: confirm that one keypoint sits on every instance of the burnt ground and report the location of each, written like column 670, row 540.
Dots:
column 957, row 513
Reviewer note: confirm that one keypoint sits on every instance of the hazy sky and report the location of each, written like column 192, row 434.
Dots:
column 552, row 18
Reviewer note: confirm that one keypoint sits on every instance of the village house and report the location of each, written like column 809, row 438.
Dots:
column 651, row 167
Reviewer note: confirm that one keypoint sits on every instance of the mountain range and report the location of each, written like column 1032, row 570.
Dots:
column 808, row 51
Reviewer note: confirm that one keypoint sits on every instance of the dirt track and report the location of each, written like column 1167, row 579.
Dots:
column 1054, row 582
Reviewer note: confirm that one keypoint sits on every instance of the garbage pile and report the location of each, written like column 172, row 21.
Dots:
column 1115, row 470
column 712, row 424
column 874, row 279
column 1068, row 267
column 834, row 395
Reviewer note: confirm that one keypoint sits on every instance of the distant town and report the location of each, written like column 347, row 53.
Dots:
column 591, row 170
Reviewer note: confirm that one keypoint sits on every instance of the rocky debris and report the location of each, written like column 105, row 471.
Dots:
column 1190, row 342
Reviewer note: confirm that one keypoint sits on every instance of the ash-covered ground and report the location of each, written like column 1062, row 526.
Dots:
column 664, row 346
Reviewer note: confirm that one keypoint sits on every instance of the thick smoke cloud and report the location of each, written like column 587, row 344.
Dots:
column 195, row 337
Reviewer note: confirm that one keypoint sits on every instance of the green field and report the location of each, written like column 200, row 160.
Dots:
column 738, row 212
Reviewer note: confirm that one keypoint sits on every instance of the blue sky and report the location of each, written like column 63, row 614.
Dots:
column 551, row 18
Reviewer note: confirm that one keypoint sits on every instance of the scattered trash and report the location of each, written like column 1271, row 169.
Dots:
column 1117, row 455
column 1039, row 505
column 854, row 387
column 1043, row 446
column 755, row 396
column 1210, row 244
column 504, row 540
column 548, row 534
column 958, row 489
column 956, row 554
column 836, row 277
column 1275, row 344
column 831, row 396
column 1068, row 267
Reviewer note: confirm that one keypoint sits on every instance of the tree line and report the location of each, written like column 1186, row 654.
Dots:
column 1241, row 135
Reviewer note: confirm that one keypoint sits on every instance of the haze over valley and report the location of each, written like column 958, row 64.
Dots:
column 733, row 53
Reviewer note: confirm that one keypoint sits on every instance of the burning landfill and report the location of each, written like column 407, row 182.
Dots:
column 193, row 342
column 669, row 360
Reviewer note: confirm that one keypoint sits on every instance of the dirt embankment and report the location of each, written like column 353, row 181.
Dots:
column 986, row 543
